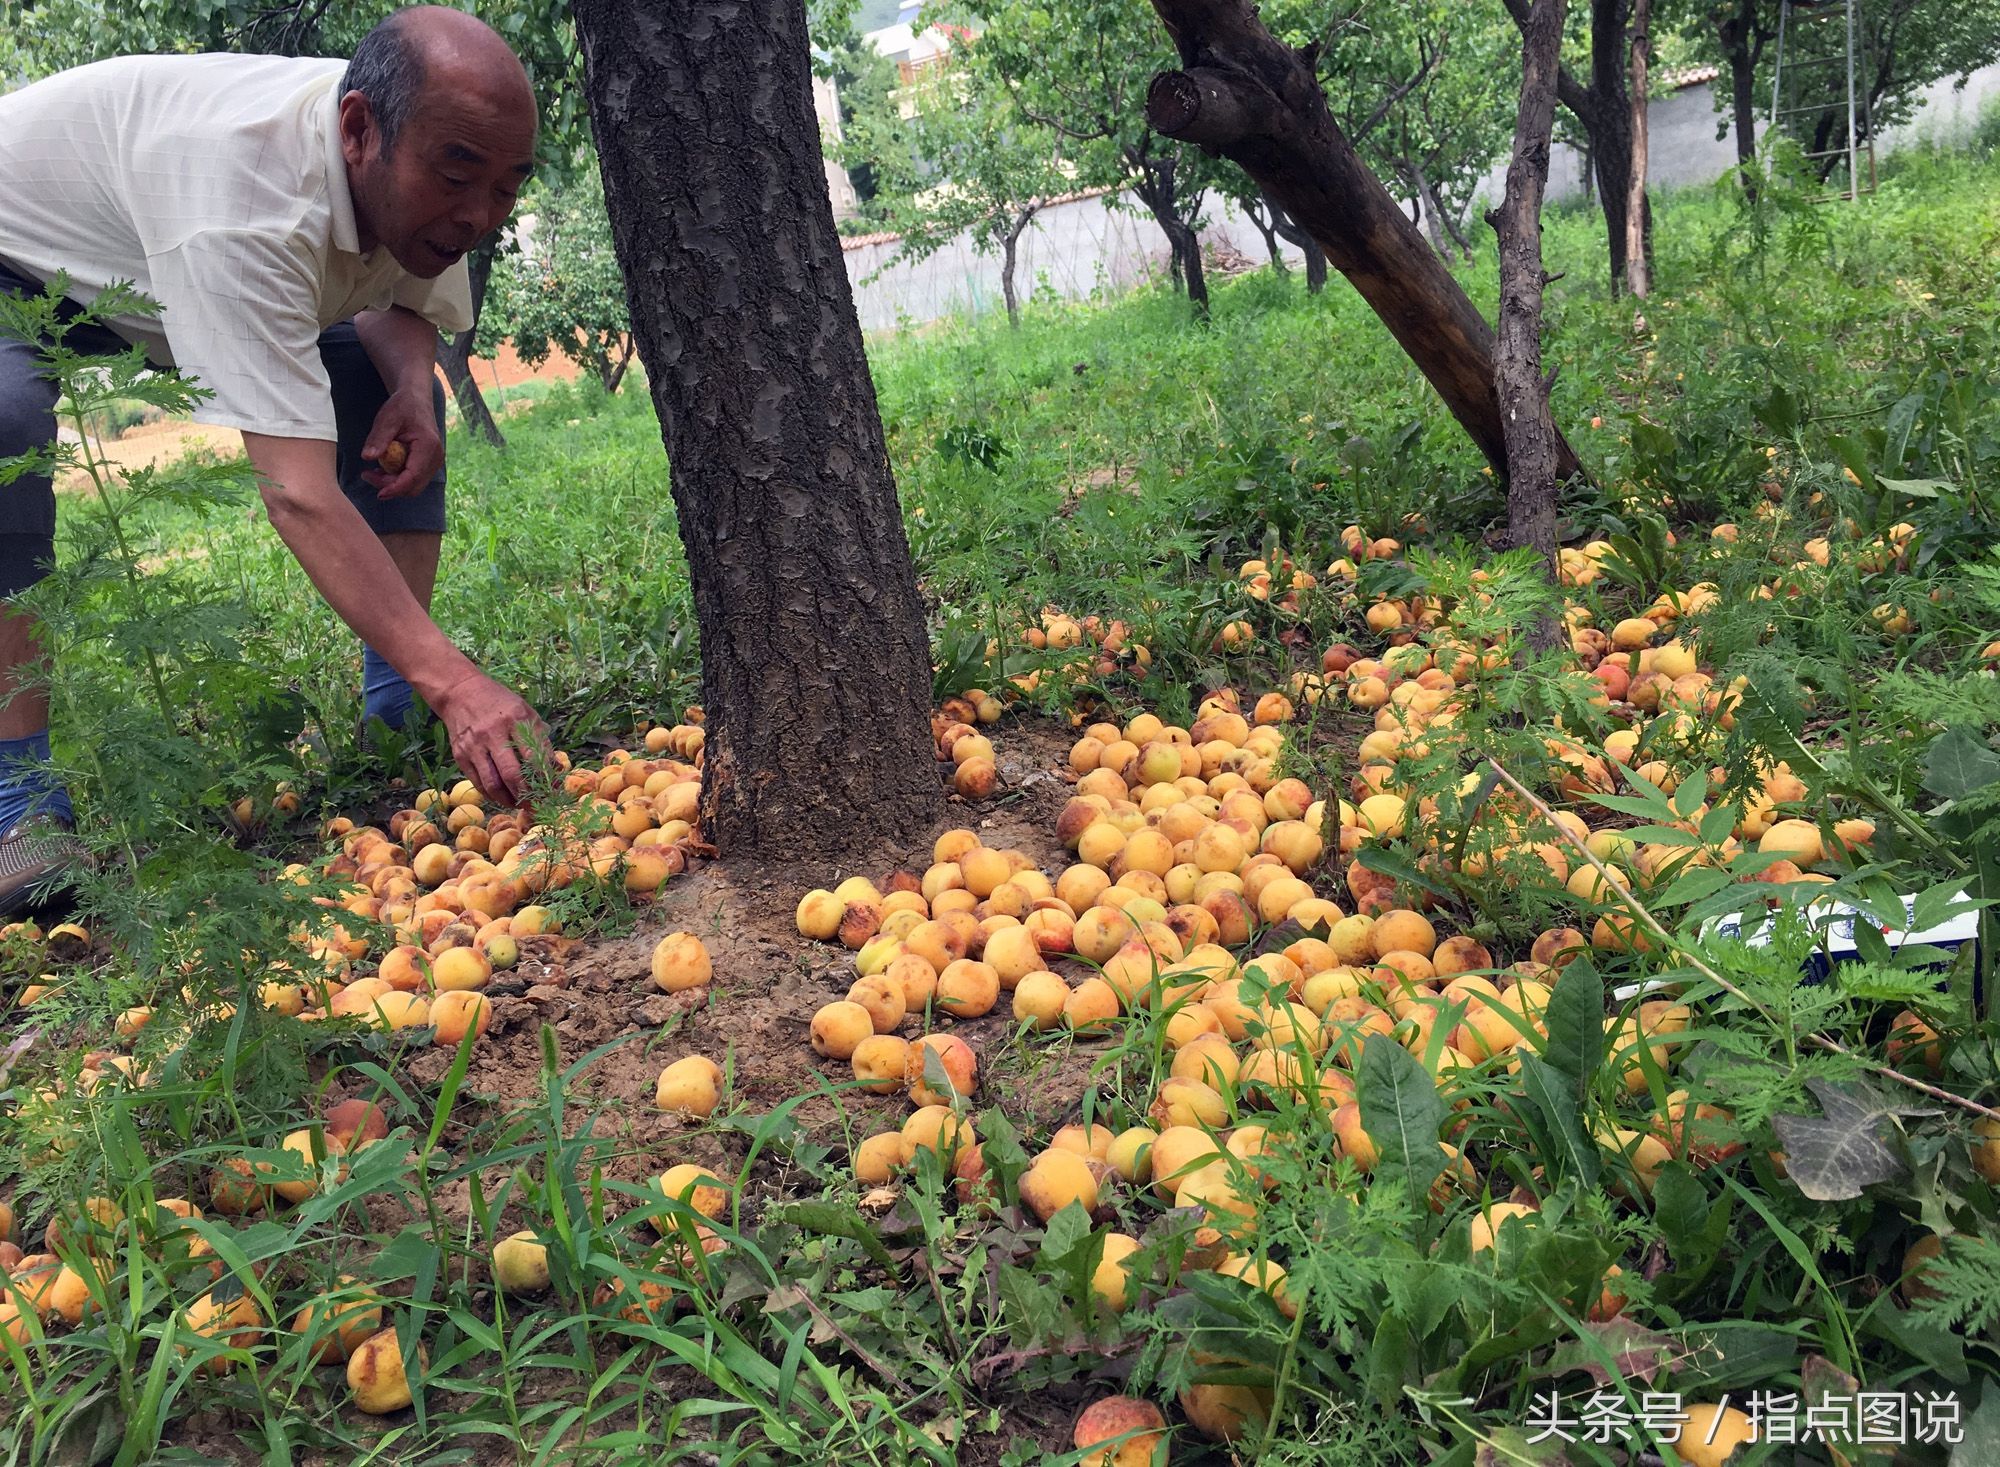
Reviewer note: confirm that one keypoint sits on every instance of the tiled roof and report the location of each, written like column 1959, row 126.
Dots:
column 1689, row 76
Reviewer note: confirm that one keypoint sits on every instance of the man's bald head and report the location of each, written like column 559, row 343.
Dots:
column 437, row 127
column 434, row 54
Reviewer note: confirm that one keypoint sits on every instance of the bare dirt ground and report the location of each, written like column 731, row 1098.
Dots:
column 755, row 1018
column 164, row 442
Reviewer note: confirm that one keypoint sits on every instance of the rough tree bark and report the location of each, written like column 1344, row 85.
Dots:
column 1604, row 108
column 1638, row 269
column 1532, row 456
column 455, row 355
column 1257, row 102
column 816, row 670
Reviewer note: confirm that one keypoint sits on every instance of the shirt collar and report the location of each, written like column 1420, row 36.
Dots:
column 346, row 233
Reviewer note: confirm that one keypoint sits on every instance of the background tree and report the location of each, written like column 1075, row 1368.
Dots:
column 865, row 85
column 1414, row 88
column 816, row 663
column 54, row 35
column 1081, row 70
column 1904, row 46
column 1603, row 107
column 1241, row 93
column 1532, row 441
column 1739, row 35
column 559, row 289
column 966, row 160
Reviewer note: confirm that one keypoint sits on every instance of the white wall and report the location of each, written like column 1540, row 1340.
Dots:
column 1088, row 244
column 1685, row 150
column 1080, row 246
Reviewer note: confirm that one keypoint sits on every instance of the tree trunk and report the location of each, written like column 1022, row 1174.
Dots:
column 1638, row 272
column 1605, row 110
column 1532, row 441
column 1256, row 101
column 1440, row 223
column 1010, row 244
column 1157, row 190
column 1427, row 217
column 1007, row 280
column 1609, row 121
column 1289, row 231
column 616, row 374
column 1465, row 249
column 1257, row 212
column 1611, row 152
column 1738, row 35
column 816, row 664
column 455, row 355
column 1197, row 278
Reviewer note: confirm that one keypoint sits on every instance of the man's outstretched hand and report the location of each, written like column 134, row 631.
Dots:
column 493, row 735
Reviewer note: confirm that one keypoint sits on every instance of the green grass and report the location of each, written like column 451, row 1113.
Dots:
column 1288, row 416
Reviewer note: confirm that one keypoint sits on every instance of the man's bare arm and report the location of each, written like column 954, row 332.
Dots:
column 348, row 565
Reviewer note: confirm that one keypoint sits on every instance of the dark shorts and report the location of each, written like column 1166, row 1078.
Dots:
column 27, row 423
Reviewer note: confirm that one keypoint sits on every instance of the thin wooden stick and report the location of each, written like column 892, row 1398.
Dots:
column 1638, row 909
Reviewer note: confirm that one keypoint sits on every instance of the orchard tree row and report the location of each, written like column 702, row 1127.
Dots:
column 1049, row 99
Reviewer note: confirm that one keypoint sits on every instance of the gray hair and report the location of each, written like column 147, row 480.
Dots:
column 387, row 69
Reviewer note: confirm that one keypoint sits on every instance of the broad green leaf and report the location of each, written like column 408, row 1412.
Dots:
column 1393, row 863
column 1575, row 1019
column 1691, row 886
column 1902, row 418
column 1066, row 1231
column 1981, row 1443
column 1690, row 794
column 1392, row 1359
column 1554, row 1095
column 1915, row 488
column 833, row 1220
column 1401, row 1110
column 1718, row 824
column 1680, row 1207
column 1936, row 905
column 1959, row 764
column 1660, row 810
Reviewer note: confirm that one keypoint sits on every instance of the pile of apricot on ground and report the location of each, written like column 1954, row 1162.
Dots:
column 458, row 886
column 85, row 1247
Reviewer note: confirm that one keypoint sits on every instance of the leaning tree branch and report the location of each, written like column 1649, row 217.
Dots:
column 1243, row 94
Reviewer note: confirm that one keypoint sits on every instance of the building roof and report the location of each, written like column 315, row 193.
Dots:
column 902, row 42
column 1689, row 76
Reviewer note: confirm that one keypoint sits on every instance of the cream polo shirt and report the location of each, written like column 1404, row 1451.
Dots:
column 215, row 185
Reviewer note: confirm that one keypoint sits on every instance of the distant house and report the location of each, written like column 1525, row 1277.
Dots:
column 839, row 187
column 917, row 53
